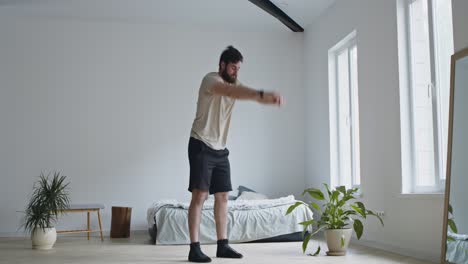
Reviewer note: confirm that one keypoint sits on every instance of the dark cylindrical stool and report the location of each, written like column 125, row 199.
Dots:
column 120, row 222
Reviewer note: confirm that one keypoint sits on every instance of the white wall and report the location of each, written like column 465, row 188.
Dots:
column 111, row 106
column 413, row 225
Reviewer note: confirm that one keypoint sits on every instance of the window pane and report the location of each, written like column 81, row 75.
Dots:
column 421, row 103
column 344, row 127
column 344, row 132
column 443, row 38
column 355, row 117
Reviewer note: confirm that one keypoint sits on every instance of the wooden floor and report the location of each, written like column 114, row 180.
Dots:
column 137, row 249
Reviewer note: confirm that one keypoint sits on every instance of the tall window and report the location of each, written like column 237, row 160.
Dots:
column 344, row 113
column 428, row 43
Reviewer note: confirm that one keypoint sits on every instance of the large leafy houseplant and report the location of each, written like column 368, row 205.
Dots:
column 338, row 211
column 49, row 198
column 451, row 224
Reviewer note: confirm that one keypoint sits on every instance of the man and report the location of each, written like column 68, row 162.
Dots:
column 208, row 155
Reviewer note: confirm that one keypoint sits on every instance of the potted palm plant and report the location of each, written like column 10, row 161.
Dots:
column 49, row 198
column 339, row 215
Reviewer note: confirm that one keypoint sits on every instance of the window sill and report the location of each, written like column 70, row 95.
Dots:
column 422, row 196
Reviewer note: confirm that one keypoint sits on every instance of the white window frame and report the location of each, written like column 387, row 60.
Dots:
column 337, row 176
column 406, row 90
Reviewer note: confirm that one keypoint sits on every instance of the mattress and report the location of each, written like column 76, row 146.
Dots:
column 248, row 220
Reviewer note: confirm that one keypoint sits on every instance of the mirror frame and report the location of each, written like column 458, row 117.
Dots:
column 455, row 57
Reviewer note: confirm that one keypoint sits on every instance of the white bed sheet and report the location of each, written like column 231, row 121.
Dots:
column 248, row 220
column 457, row 250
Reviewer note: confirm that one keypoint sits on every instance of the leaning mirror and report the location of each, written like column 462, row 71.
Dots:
column 455, row 229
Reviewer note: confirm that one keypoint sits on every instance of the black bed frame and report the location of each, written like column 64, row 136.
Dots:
column 293, row 237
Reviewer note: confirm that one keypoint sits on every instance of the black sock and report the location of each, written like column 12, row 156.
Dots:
column 225, row 251
column 196, row 255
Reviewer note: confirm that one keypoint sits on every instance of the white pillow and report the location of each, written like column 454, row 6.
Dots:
column 251, row 196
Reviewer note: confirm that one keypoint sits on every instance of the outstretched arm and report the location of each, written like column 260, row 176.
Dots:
column 242, row 92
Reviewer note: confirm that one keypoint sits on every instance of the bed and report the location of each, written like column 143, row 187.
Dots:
column 457, row 248
column 260, row 220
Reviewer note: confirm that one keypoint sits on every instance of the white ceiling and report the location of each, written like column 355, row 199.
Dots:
column 231, row 14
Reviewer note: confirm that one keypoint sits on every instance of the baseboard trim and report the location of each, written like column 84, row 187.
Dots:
column 14, row 234
column 105, row 233
column 428, row 256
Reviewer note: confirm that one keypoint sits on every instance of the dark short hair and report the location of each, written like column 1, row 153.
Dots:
column 230, row 55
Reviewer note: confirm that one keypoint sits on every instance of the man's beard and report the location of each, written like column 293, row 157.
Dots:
column 228, row 78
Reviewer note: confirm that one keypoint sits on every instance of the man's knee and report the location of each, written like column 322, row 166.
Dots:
column 221, row 197
column 199, row 196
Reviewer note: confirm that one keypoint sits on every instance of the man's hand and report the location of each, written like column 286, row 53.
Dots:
column 271, row 98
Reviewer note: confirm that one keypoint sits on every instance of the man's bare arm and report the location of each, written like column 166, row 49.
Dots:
column 242, row 92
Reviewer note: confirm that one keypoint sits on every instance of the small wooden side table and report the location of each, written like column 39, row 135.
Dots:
column 120, row 222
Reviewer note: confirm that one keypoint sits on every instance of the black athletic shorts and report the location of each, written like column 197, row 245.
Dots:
column 209, row 168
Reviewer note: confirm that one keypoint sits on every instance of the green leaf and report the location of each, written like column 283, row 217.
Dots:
column 316, row 252
column 334, row 196
column 328, row 189
column 358, row 228
column 374, row 214
column 318, row 230
column 342, row 241
column 347, row 213
column 315, row 193
column 307, row 223
column 450, row 209
column 304, row 232
column 452, row 226
column 363, row 208
column 316, row 206
column 358, row 210
column 292, row 207
column 450, row 239
column 353, row 190
column 342, row 189
column 305, row 242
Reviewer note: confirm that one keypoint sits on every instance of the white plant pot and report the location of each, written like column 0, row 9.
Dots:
column 44, row 239
column 334, row 237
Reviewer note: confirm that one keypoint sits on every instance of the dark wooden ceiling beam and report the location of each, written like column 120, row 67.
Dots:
column 273, row 10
